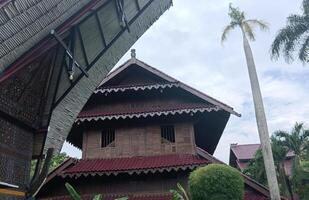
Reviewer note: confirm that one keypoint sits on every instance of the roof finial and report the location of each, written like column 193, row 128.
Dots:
column 133, row 53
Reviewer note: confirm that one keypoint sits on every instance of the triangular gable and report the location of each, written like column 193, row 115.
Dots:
column 137, row 63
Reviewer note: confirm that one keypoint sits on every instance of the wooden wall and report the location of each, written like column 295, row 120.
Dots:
column 139, row 141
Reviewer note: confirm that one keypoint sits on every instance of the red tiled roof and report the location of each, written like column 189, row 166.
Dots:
column 135, row 164
column 102, row 112
column 242, row 164
column 247, row 151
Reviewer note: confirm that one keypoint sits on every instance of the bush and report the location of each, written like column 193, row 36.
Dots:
column 216, row 182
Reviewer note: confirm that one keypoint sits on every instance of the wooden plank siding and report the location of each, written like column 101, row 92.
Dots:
column 143, row 140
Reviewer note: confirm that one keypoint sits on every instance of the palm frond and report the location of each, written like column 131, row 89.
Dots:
column 286, row 40
column 97, row 197
column 296, row 19
column 176, row 195
column 304, row 51
column 297, row 128
column 184, row 192
column 306, row 7
column 236, row 15
column 226, row 31
column 248, row 30
column 261, row 24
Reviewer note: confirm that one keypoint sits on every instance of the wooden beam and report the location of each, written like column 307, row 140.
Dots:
column 12, row 192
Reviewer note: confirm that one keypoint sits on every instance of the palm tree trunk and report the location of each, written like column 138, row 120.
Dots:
column 261, row 123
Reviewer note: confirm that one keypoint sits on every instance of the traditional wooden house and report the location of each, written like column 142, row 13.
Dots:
column 53, row 55
column 242, row 154
column 140, row 133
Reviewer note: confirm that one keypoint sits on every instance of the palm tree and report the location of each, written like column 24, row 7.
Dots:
column 238, row 20
column 280, row 152
column 298, row 142
column 293, row 36
column 256, row 169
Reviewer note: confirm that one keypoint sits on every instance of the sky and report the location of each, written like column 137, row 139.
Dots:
column 185, row 44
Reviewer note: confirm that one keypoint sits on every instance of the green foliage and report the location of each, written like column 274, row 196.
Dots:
column 216, row 181
column 97, row 197
column 293, row 37
column 180, row 193
column 297, row 140
column 238, row 20
column 75, row 196
column 73, row 192
column 55, row 162
column 256, row 168
column 282, row 142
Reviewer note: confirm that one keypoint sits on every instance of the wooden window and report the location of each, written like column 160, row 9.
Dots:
column 108, row 137
column 168, row 134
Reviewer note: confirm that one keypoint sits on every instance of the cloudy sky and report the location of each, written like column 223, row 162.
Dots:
column 185, row 43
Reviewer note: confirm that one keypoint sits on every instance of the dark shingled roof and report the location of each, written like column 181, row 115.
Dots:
column 23, row 23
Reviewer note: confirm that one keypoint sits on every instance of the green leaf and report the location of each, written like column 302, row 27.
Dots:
column 72, row 192
column 97, row 197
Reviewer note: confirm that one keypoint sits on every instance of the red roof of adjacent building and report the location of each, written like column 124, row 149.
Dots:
column 247, row 151
column 135, row 164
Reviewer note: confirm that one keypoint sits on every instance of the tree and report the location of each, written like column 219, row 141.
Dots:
column 298, row 142
column 216, row 181
column 293, row 36
column 238, row 20
column 256, row 169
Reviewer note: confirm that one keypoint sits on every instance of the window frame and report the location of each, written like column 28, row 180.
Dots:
column 165, row 131
column 110, row 136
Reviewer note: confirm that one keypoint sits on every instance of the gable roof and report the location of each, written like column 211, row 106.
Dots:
column 136, row 62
